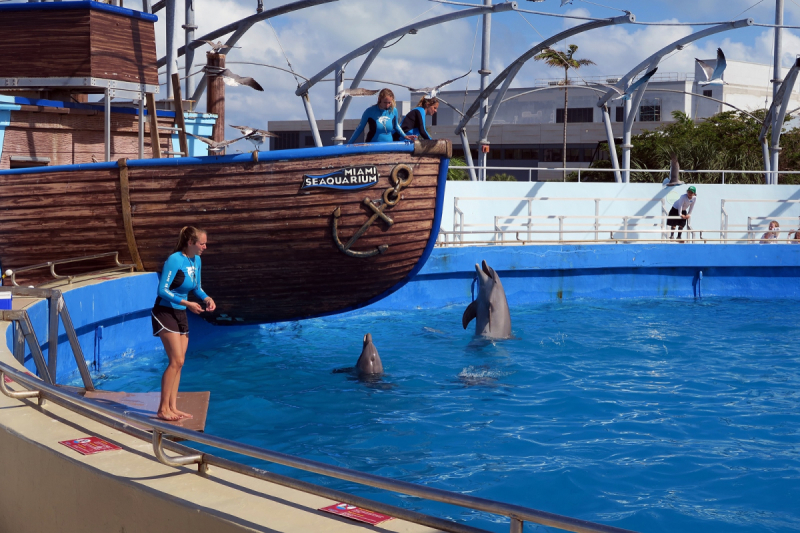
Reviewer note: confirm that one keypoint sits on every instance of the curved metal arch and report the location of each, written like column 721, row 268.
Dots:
column 376, row 45
column 510, row 72
column 654, row 59
column 632, row 104
column 238, row 28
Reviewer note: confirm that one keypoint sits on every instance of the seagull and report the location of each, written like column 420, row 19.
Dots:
column 216, row 46
column 214, row 146
column 253, row 135
column 431, row 92
column 565, row 2
column 714, row 76
column 344, row 93
column 626, row 94
column 231, row 78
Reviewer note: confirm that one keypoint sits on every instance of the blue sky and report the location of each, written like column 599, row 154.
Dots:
column 315, row 37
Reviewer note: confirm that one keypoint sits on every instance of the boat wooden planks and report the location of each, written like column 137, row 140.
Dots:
column 74, row 43
column 271, row 254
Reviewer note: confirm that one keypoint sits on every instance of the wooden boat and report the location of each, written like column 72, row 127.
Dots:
column 292, row 233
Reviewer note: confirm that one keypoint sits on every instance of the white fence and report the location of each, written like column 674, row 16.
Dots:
column 612, row 219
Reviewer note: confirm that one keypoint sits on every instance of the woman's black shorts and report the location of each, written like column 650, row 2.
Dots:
column 169, row 319
column 676, row 222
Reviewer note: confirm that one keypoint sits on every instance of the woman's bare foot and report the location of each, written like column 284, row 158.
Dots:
column 167, row 415
column 181, row 414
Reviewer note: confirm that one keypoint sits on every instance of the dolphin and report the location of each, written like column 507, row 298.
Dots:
column 490, row 308
column 370, row 362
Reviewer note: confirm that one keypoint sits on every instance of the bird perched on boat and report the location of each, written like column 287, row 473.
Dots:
column 713, row 75
column 214, row 146
column 626, row 94
column 254, row 135
column 431, row 92
column 344, row 93
column 231, row 78
column 216, row 46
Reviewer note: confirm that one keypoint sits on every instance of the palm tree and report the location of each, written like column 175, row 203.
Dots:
column 565, row 60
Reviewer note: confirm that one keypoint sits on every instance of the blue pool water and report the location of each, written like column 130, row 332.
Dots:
column 656, row 416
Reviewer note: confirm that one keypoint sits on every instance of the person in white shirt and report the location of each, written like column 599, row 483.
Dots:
column 771, row 236
column 681, row 211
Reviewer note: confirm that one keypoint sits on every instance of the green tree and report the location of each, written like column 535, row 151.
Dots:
column 725, row 141
column 457, row 174
column 502, row 177
column 565, row 60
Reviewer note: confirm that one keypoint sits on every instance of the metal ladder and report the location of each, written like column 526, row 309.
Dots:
column 180, row 123
column 23, row 331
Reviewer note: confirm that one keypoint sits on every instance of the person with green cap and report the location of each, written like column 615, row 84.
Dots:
column 681, row 211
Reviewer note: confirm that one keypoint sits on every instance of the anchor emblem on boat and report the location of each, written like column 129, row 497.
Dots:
column 391, row 197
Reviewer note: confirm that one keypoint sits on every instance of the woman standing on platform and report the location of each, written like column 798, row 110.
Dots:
column 181, row 275
column 414, row 122
column 382, row 120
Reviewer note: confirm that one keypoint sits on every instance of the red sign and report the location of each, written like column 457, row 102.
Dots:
column 7, row 379
column 89, row 445
column 356, row 513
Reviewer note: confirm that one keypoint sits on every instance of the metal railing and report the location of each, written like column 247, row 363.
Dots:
column 724, row 222
column 23, row 331
column 618, row 236
column 52, row 266
column 579, row 170
column 460, row 227
column 131, row 424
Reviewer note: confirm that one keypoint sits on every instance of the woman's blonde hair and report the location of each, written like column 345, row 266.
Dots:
column 425, row 103
column 775, row 222
column 188, row 234
column 384, row 93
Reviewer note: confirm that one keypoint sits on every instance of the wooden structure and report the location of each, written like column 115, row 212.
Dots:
column 77, row 40
column 276, row 250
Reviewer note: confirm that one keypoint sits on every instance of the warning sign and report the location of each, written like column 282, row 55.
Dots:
column 89, row 445
column 356, row 513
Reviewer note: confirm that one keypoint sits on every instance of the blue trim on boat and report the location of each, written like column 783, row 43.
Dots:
column 278, row 155
column 77, row 4
column 93, row 107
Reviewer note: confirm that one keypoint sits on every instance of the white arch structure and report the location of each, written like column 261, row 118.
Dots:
column 373, row 48
column 508, row 75
column 633, row 102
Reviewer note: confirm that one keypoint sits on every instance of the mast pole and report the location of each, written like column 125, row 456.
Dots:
column 485, row 73
column 777, row 76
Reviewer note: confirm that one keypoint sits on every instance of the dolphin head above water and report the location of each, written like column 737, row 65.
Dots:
column 490, row 308
column 370, row 361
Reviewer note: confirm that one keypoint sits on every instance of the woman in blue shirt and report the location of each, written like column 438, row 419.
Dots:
column 382, row 120
column 180, row 276
column 414, row 122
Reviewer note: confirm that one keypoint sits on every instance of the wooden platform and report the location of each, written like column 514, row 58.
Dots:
column 146, row 404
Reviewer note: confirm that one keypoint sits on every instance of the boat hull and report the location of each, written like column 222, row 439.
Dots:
column 272, row 252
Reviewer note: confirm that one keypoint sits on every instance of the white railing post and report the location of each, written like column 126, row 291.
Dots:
column 597, row 219
column 560, row 229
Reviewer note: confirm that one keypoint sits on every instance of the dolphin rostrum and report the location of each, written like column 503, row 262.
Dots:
column 370, row 361
column 490, row 308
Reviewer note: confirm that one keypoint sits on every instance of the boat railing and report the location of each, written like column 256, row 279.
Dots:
column 580, row 171
column 51, row 265
column 157, row 432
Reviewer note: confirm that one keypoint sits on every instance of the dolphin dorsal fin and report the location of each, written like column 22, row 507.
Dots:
column 469, row 313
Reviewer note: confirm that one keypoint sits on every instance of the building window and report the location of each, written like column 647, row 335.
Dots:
column 576, row 114
column 650, row 113
column 708, row 93
column 287, row 140
column 552, row 155
column 310, row 140
column 620, row 115
column 588, row 155
column 458, row 152
column 28, row 162
column 521, row 154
